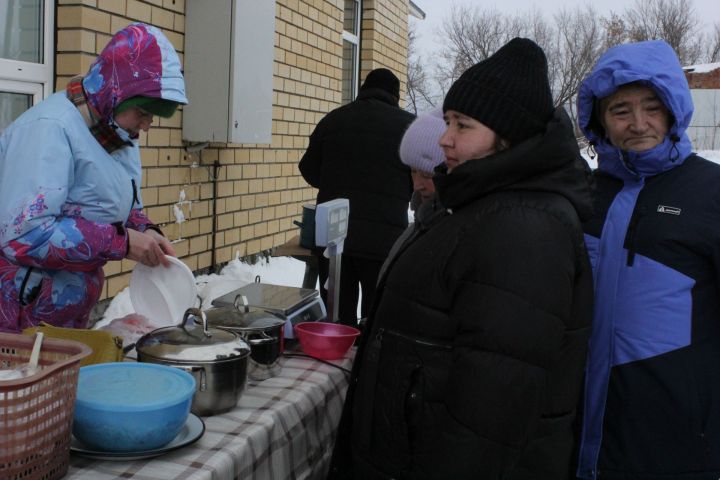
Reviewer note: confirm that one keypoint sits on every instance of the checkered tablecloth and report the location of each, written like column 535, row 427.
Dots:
column 282, row 428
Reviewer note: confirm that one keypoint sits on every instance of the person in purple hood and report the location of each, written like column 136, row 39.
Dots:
column 652, row 393
column 70, row 176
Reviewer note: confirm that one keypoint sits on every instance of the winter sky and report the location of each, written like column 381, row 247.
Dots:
column 437, row 10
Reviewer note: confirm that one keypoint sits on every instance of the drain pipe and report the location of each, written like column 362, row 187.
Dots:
column 196, row 148
column 216, row 168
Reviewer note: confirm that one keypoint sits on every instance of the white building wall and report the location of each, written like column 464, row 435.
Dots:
column 704, row 130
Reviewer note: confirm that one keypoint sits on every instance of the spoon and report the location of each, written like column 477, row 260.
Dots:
column 32, row 365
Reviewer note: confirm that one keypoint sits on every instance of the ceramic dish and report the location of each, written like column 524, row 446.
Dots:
column 162, row 294
column 193, row 429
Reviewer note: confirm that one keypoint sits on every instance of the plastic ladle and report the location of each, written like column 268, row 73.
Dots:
column 32, row 365
column 31, row 368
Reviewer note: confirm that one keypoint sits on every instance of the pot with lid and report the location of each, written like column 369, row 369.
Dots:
column 263, row 330
column 216, row 358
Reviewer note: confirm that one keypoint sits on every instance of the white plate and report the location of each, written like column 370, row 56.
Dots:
column 193, row 429
column 162, row 294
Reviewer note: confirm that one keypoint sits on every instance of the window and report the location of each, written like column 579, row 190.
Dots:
column 15, row 98
column 26, row 55
column 351, row 49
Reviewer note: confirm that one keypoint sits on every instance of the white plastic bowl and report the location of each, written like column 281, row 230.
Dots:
column 162, row 294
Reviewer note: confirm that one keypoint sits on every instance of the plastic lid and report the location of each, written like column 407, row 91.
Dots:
column 129, row 386
column 162, row 294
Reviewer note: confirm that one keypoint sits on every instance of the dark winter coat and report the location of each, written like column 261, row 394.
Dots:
column 353, row 154
column 473, row 365
column 652, row 408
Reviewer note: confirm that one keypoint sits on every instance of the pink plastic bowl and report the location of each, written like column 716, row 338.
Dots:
column 328, row 341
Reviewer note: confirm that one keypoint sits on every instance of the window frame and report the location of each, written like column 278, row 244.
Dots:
column 22, row 88
column 355, row 41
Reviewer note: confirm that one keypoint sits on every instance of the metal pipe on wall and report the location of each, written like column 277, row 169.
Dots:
column 213, row 235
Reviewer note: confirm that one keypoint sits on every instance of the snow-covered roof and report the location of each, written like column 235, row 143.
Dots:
column 702, row 68
column 416, row 11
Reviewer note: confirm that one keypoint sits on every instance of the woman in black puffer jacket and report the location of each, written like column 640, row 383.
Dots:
column 473, row 358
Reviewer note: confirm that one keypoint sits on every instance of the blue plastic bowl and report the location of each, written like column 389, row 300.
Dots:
column 131, row 407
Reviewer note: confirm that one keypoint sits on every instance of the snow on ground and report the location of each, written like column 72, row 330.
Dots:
column 712, row 155
column 284, row 271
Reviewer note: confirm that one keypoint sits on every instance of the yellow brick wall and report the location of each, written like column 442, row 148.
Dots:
column 384, row 37
column 259, row 188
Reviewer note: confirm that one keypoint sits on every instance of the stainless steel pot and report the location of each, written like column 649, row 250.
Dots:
column 263, row 330
column 216, row 358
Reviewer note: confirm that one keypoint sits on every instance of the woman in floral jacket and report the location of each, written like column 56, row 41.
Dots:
column 69, row 182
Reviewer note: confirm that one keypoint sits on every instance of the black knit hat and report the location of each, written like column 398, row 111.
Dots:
column 384, row 79
column 508, row 92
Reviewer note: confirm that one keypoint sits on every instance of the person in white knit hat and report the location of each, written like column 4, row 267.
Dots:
column 420, row 150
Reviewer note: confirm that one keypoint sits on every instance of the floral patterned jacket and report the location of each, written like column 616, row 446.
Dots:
column 67, row 199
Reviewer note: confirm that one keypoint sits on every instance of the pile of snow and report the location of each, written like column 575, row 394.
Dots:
column 284, row 271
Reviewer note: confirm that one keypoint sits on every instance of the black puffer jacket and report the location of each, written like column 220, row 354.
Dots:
column 353, row 154
column 474, row 361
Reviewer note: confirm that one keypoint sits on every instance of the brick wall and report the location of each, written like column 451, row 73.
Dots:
column 385, row 37
column 704, row 80
column 259, row 188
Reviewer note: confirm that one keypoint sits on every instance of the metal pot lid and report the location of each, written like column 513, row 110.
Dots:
column 193, row 342
column 242, row 317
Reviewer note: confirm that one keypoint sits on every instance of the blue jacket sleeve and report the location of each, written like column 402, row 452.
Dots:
column 36, row 175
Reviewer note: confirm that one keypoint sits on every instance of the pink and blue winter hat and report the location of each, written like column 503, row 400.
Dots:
column 138, row 60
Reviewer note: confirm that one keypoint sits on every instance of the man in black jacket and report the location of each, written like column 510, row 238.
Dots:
column 353, row 154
